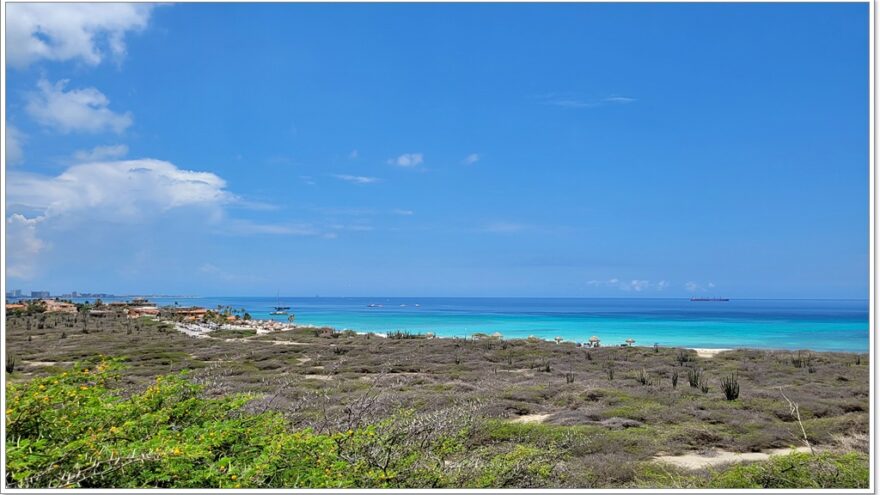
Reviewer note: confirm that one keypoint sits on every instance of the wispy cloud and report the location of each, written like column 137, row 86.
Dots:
column 568, row 100
column 353, row 155
column 634, row 285
column 692, row 286
column 471, row 159
column 14, row 139
column 101, row 153
column 357, row 179
column 401, row 212
column 408, row 160
column 76, row 110
column 247, row 227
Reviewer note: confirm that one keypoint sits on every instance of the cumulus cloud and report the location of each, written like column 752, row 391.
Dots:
column 77, row 110
column 119, row 189
column 22, row 246
column 118, row 192
column 70, row 31
column 100, row 153
column 14, row 138
column 407, row 160
column 356, row 179
column 635, row 285
column 471, row 159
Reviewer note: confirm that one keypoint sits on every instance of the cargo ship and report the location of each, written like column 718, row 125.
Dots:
column 709, row 299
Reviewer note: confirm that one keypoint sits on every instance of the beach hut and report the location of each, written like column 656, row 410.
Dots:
column 558, row 339
column 630, row 341
column 497, row 335
column 594, row 341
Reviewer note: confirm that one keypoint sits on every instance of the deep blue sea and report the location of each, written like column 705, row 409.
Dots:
column 828, row 325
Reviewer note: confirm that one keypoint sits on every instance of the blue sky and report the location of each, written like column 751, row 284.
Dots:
column 629, row 150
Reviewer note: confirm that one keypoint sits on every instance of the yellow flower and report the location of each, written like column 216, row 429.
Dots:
column 84, row 387
column 9, row 411
column 86, row 371
column 176, row 451
column 233, row 477
column 42, row 387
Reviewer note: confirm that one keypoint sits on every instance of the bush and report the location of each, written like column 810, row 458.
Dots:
column 71, row 430
column 798, row 470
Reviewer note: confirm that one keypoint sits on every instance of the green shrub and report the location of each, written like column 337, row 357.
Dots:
column 798, row 470
column 71, row 430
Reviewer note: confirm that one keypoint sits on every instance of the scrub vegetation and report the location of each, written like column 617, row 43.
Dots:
column 320, row 408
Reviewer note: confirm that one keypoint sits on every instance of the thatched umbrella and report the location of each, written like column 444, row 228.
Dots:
column 630, row 341
column 558, row 339
column 594, row 341
column 497, row 335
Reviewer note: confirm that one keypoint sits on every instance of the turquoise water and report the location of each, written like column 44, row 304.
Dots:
column 829, row 325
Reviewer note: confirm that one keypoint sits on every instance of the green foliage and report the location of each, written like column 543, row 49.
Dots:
column 799, row 470
column 795, row 470
column 75, row 430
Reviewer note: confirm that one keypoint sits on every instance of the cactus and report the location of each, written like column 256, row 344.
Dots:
column 730, row 386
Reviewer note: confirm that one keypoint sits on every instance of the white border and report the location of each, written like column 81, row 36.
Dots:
column 872, row 293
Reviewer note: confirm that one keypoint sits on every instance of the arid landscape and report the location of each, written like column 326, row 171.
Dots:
column 567, row 416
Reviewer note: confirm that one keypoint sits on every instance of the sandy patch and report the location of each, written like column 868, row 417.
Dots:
column 40, row 364
column 710, row 353
column 318, row 377
column 719, row 457
column 531, row 418
column 303, row 360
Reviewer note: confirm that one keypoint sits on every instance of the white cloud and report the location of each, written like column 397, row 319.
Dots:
column 14, row 138
column 356, row 179
column 68, row 31
column 90, row 194
column 635, row 285
column 77, row 110
column 119, row 189
column 692, row 286
column 405, row 213
column 100, row 153
column 471, row 159
column 407, row 160
column 573, row 101
column 246, row 227
column 22, row 246
column 353, row 154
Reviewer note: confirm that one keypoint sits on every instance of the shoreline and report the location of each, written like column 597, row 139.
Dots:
column 269, row 326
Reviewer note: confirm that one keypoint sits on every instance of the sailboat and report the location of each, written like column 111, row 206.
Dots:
column 279, row 310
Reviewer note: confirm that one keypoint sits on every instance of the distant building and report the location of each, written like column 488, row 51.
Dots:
column 38, row 294
column 137, row 312
column 53, row 306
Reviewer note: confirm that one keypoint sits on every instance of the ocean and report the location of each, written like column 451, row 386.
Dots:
column 821, row 325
